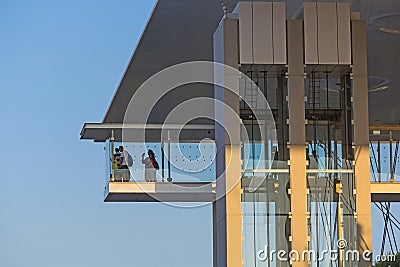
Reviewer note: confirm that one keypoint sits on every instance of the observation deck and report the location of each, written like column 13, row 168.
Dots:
column 188, row 173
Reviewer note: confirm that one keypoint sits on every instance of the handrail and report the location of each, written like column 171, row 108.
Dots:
column 384, row 127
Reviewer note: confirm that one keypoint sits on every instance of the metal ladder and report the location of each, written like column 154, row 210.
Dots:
column 313, row 92
column 250, row 93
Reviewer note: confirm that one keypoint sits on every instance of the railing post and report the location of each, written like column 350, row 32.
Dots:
column 112, row 155
column 391, row 156
column 379, row 161
column 169, row 179
column 162, row 160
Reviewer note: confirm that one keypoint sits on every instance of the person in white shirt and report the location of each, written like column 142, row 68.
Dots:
column 124, row 164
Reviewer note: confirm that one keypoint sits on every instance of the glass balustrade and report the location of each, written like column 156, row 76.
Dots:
column 177, row 162
column 384, row 159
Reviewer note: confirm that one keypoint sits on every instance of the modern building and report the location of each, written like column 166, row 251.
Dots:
column 283, row 115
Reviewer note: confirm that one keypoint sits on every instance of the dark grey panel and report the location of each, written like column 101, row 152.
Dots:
column 181, row 31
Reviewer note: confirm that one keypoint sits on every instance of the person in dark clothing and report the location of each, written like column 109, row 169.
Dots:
column 150, row 165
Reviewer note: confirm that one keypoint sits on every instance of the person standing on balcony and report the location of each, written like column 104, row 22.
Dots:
column 151, row 166
column 115, row 165
column 275, row 161
column 124, row 164
column 313, row 160
column 117, row 157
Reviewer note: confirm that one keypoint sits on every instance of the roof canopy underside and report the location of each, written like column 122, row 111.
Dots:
column 181, row 30
column 100, row 132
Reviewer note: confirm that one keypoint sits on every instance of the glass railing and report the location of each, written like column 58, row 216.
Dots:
column 327, row 157
column 384, row 153
column 108, row 161
column 384, row 159
column 172, row 162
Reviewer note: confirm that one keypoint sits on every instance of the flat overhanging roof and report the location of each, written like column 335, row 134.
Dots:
column 206, row 191
column 177, row 31
column 161, row 192
column 181, row 30
column 385, row 192
column 100, row 132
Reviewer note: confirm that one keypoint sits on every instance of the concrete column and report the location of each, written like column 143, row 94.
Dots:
column 227, row 209
column 214, row 214
column 297, row 137
column 361, row 137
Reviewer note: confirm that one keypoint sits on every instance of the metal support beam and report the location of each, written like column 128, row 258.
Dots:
column 361, row 137
column 281, row 131
column 214, row 220
column 385, row 192
column 297, row 139
column 228, row 221
column 347, row 131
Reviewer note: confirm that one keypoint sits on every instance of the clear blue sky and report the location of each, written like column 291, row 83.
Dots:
column 60, row 63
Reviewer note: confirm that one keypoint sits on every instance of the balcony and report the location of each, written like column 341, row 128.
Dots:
column 384, row 156
column 185, row 155
column 384, row 148
column 187, row 171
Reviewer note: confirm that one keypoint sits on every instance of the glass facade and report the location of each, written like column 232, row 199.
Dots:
column 266, row 223
column 265, row 180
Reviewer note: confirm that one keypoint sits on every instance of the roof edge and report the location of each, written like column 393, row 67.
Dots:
column 130, row 60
